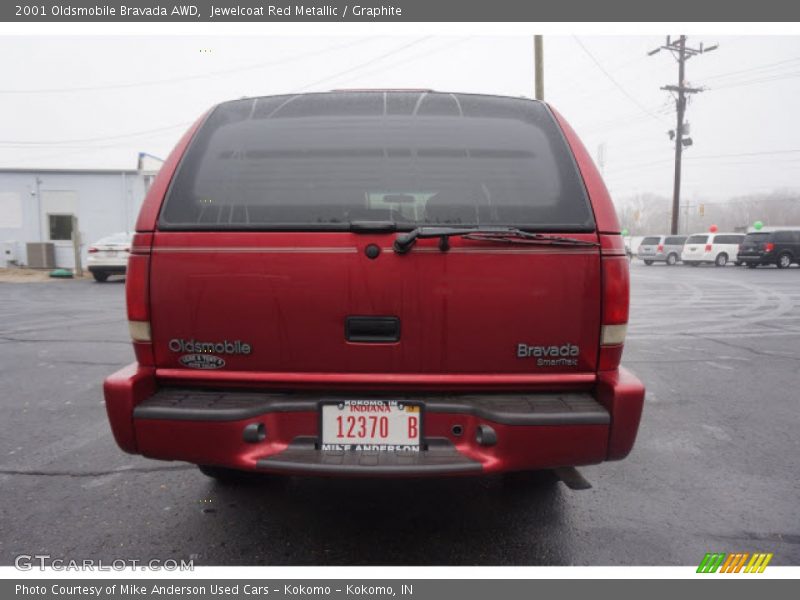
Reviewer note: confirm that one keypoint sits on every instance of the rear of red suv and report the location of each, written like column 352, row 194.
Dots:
column 377, row 283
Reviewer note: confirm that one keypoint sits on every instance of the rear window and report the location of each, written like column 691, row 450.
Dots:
column 675, row 241
column 116, row 238
column 787, row 236
column 728, row 239
column 757, row 237
column 322, row 161
column 651, row 241
column 697, row 239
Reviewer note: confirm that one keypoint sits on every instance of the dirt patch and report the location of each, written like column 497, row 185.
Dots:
column 29, row 276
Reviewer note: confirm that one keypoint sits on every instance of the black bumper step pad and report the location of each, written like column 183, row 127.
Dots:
column 302, row 456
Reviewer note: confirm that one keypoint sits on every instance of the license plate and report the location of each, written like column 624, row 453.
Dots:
column 111, row 252
column 371, row 425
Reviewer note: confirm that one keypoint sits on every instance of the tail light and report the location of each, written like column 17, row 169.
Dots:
column 660, row 248
column 708, row 247
column 769, row 246
column 92, row 250
column 615, row 298
column 137, row 296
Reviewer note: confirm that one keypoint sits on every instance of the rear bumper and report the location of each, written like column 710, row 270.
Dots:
column 100, row 268
column 697, row 261
column 660, row 257
column 757, row 259
column 531, row 431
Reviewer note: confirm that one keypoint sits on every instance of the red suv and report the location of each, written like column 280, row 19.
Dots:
column 377, row 283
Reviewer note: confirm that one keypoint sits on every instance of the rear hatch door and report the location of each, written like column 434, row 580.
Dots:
column 649, row 246
column 752, row 244
column 288, row 298
column 694, row 249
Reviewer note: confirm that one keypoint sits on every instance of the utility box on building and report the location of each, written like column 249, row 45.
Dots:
column 8, row 254
column 41, row 255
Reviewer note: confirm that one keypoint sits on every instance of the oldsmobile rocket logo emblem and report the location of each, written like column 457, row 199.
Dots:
column 202, row 361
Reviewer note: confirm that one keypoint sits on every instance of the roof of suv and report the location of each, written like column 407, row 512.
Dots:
column 396, row 102
column 371, row 91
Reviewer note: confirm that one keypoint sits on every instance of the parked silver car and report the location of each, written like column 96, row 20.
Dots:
column 661, row 248
column 109, row 256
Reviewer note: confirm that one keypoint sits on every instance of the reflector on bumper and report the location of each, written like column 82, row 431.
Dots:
column 613, row 335
column 140, row 331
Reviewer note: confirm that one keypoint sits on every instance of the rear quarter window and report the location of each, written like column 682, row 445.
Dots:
column 675, row 241
column 697, row 239
column 787, row 236
column 728, row 239
column 322, row 161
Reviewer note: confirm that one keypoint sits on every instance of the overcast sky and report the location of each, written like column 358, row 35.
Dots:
column 97, row 102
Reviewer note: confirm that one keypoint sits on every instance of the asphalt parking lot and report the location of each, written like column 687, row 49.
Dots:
column 715, row 467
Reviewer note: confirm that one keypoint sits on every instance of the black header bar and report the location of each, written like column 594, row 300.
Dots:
column 401, row 11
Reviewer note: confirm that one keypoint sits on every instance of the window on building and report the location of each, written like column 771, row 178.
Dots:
column 60, row 227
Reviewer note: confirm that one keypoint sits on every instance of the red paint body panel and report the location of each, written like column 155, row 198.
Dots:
column 123, row 391
column 462, row 315
column 518, row 448
column 445, row 382
column 622, row 394
column 604, row 213
column 148, row 215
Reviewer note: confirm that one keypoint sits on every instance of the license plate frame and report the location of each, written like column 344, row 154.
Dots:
column 392, row 443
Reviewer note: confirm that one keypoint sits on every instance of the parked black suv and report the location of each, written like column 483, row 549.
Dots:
column 779, row 247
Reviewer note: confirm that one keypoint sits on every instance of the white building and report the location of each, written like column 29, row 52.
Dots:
column 37, row 205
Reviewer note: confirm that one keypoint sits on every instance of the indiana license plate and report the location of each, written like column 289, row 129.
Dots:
column 371, row 425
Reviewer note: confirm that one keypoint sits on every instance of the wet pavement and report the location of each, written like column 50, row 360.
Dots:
column 715, row 467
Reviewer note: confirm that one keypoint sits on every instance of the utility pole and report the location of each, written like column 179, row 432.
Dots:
column 682, row 53
column 39, row 206
column 76, row 247
column 538, row 61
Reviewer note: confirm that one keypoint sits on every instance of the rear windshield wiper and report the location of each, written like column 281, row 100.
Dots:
column 508, row 235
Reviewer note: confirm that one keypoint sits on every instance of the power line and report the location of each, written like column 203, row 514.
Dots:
column 614, row 81
column 38, row 145
column 628, row 167
column 364, row 64
column 625, row 119
column 766, row 152
column 33, row 145
column 408, row 59
column 762, row 67
column 172, row 80
column 764, row 79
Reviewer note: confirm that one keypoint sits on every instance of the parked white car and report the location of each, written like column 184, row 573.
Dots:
column 712, row 248
column 109, row 256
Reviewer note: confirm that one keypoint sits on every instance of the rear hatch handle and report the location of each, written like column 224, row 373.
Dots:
column 505, row 235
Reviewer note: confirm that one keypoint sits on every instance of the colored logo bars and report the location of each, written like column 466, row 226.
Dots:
column 734, row 563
